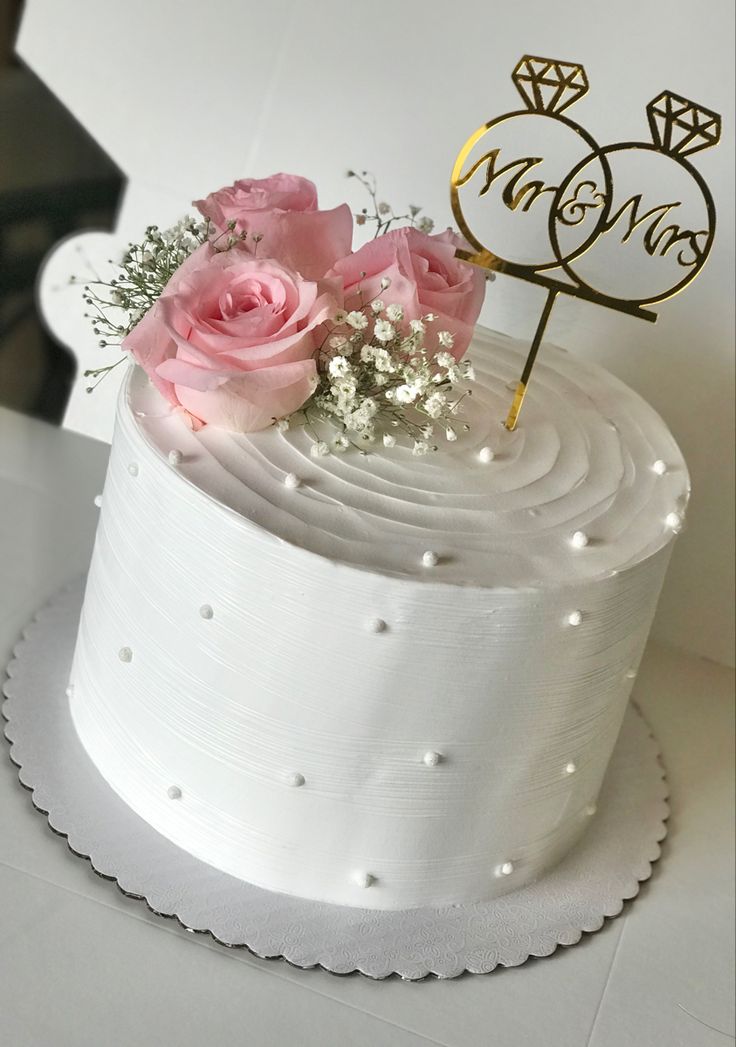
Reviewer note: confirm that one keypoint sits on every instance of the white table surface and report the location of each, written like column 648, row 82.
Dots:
column 81, row 965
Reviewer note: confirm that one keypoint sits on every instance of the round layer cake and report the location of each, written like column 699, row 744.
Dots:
column 370, row 678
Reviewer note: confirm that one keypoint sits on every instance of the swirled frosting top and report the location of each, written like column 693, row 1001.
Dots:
column 589, row 456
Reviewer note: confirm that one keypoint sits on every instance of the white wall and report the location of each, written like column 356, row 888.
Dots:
column 186, row 97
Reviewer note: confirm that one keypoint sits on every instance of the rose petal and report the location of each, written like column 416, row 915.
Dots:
column 252, row 401
column 150, row 344
column 425, row 276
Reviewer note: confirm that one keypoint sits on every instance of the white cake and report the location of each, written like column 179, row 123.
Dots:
column 374, row 679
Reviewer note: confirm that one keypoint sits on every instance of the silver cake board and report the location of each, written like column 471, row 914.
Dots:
column 590, row 884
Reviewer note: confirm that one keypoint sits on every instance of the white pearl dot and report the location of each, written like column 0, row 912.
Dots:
column 590, row 810
column 579, row 539
column 206, row 611
column 175, row 457
column 98, row 501
column 295, row 780
column 173, row 792
column 574, row 617
column 673, row 520
column 292, row 481
column 432, row 758
column 69, row 691
column 631, row 674
column 363, row 879
column 486, row 455
column 133, row 469
column 430, row 558
column 376, row 625
column 125, row 654
column 505, row 869
column 659, row 467
column 571, row 767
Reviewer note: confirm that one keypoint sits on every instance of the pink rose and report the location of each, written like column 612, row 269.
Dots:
column 283, row 211
column 232, row 338
column 425, row 278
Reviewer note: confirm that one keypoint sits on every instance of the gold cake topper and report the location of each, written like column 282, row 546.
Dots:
column 577, row 197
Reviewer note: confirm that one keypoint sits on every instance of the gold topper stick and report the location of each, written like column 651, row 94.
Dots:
column 582, row 207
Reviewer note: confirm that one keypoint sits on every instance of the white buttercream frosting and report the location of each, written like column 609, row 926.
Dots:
column 478, row 663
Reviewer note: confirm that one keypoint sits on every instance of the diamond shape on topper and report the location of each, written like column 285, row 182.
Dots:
column 680, row 126
column 549, row 86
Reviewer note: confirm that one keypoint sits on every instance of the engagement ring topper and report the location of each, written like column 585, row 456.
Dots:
column 624, row 226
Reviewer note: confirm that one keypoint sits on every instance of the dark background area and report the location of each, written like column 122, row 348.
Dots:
column 54, row 180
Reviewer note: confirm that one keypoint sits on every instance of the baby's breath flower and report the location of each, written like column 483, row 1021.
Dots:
column 339, row 367
column 445, row 339
column 384, row 208
column 425, row 225
column 340, row 316
column 434, row 404
column 282, row 424
column 117, row 305
column 358, row 321
column 383, row 360
column 405, row 394
column 345, row 385
column 445, row 360
column 468, row 371
column 384, row 331
column 385, row 282
column 419, row 382
column 380, row 376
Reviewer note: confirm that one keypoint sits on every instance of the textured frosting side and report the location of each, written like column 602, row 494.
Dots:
column 380, row 738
